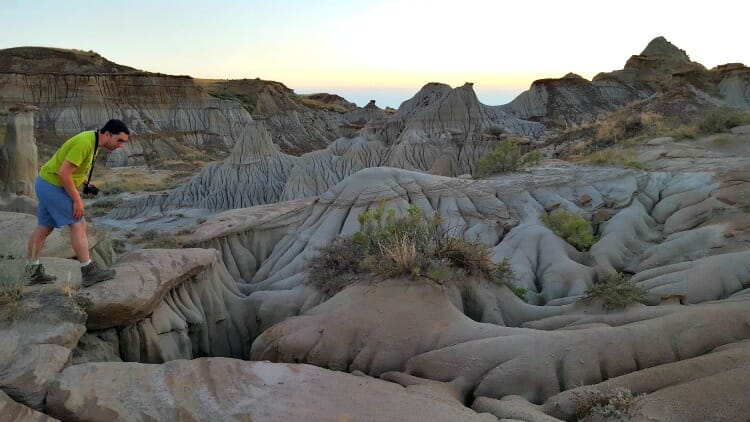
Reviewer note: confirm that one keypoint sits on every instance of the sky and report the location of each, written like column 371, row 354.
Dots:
column 379, row 50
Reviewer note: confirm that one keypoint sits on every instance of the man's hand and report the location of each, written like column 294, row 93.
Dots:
column 77, row 209
column 66, row 177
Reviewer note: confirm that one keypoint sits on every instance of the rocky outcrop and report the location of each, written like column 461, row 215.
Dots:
column 226, row 389
column 170, row 304
column 16, row 412
column 39, row 328
column 659, row 62
column 573, row 99
column 18, row 160
column 662, row 77
column 255, row 173
column 78, row 91
column 297, row 123
column 441, row 130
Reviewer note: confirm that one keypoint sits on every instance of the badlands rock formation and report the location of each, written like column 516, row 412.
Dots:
column 173, row 116
column 440, row 130
column 231, row 327
column 298, row 124
column 655, row 75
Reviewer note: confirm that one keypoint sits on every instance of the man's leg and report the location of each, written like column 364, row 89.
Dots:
column 36, row 242
column 80, row 241
column 34, row 271
column 90, row 271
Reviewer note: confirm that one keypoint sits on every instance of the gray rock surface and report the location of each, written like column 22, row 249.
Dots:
column 16, row 412
column 226, row 389
column 39, row 330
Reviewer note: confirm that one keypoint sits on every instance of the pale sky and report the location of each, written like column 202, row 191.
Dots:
column 382, row 50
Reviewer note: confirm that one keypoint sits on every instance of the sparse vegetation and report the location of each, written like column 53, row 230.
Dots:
column 67, row 287
column 721, row 119
column 615, row 157
column 684, row 132
column 572, row 227
column 388, row 245
column 617, row 292
column 11, row 289
column 506, row 157
column 722, row 139
column 618, row 404
column 320, row 105
column 520, row 292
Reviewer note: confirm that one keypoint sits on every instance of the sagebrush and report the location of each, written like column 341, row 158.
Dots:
column 572, row 227
column 506, row 157
column 390, row 245
column 617, row 292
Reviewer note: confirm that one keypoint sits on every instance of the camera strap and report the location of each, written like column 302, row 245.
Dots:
column 93, row 159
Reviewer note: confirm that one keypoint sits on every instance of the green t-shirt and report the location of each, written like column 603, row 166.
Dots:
column 78, row 150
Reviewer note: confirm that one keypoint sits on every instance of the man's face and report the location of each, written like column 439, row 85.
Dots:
column 115, row 141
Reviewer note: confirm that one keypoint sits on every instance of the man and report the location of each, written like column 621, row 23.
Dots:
column 60, row 203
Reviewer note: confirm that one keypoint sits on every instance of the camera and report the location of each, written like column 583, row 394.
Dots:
column 90, row 189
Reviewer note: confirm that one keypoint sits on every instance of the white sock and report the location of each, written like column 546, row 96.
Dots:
column 36, row 262
column 83, row 264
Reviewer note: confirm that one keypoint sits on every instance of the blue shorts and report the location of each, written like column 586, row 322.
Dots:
column 55, row 207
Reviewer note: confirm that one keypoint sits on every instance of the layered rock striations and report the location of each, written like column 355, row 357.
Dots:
column 440, row 130
column 85, row 90
column 298, row 123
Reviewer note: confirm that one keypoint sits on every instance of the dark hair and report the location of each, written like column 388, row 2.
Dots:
column 114, row 127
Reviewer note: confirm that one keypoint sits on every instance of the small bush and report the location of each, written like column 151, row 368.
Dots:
column 506, row 157
column 570, row 226
column 721, row 119
column 619, row 404
column 617, row 292
column 392, row 246
column 520, row 292
column 721, row 139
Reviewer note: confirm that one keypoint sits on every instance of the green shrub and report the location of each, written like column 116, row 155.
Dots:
column 721, row 119
column 570, row 226
column 617, row 292
column 506, row 157
column 721, row 139
column 390, row 246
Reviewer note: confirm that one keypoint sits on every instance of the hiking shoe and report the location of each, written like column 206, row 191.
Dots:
column 34, row 274
column 92, row 274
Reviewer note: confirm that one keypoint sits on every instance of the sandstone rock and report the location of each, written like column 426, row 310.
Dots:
column 16, row 412
column 39, row 331
column 524, row 365
column 224, row 389
column 143, row 279
column 686, row 377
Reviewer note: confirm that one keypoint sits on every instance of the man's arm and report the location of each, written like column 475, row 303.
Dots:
column 66, row 177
